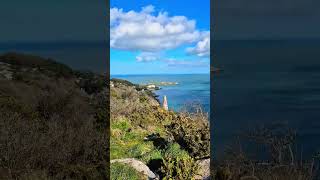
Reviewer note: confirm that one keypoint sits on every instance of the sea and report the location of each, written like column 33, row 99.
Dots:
column 190, row 90
column 266, row 83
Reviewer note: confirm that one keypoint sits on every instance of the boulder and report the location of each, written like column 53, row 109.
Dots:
column 137, row 165
column 204, row 169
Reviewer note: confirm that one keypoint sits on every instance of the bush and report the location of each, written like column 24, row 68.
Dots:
column 91, row 83
column 177, row 164
column 191, row 131
column 280, row 164
column 122, row 82
column 49, row 129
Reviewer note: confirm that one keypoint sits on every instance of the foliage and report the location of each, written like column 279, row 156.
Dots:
column 49, row 128
column 177, row 164
column 164, row 140
column 127, row 141
column 281, row 164
column 122, row 82
column 31, row 61
column 91, row 82
column 121, row 171
column 191, row 131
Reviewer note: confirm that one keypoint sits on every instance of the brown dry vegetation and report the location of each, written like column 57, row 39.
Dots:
column 281, row 164
column 50, row 127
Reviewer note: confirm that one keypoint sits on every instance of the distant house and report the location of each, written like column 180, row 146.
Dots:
column 151, row 86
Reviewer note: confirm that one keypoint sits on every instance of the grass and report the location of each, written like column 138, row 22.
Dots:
column 127, row 141
column 49, row 127
column 281, row 163
column 174, row 139
column 53, row 125
column 120, row 171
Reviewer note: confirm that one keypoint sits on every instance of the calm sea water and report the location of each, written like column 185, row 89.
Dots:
column 266, row 82
column 191, row 88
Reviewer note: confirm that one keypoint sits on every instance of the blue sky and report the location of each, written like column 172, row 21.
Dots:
column 159, row 37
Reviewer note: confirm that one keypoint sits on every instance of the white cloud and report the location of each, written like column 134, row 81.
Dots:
column 148, row 9
column 147, row 57
column 202, row 48
column 144, row 31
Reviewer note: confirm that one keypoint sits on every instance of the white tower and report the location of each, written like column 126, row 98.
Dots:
column 165, row 103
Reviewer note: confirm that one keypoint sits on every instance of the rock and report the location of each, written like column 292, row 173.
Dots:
column 5, row 71
column 204, row 169
column 137, row 165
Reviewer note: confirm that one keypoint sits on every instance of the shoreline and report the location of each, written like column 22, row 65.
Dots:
column 191, row 88
column 137, row 121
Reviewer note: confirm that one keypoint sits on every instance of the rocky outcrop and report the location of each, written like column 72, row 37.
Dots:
column 204, row 169
column 5, row 71
column 137, row 165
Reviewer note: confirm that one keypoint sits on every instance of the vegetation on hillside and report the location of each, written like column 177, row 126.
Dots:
column 52, row 125
column 31, row 62
column 168, row 142
column 121, row 171
column 281, row 159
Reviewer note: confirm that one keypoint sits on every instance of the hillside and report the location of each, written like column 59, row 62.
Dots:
column 54, row 125
column 53, row 120
column 171, row 144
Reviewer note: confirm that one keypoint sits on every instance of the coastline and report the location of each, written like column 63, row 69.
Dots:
column 155, row 129
column 191, row 88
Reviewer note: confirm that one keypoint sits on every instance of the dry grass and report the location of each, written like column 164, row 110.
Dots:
column 49, row 130
column 281, row 165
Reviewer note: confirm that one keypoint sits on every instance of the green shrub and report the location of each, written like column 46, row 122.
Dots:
column 122, row 81
column 143, row 99
column 113, row 93
column 102, row 116
column 191, row 134
column 121, row 124
column 177, row 164
column 153, row 155
column 90, row 82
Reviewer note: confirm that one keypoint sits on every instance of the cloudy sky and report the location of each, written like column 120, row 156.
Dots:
column 159, row 37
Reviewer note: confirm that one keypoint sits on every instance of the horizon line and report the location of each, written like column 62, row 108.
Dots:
column 269, row 39
column 160, row 74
